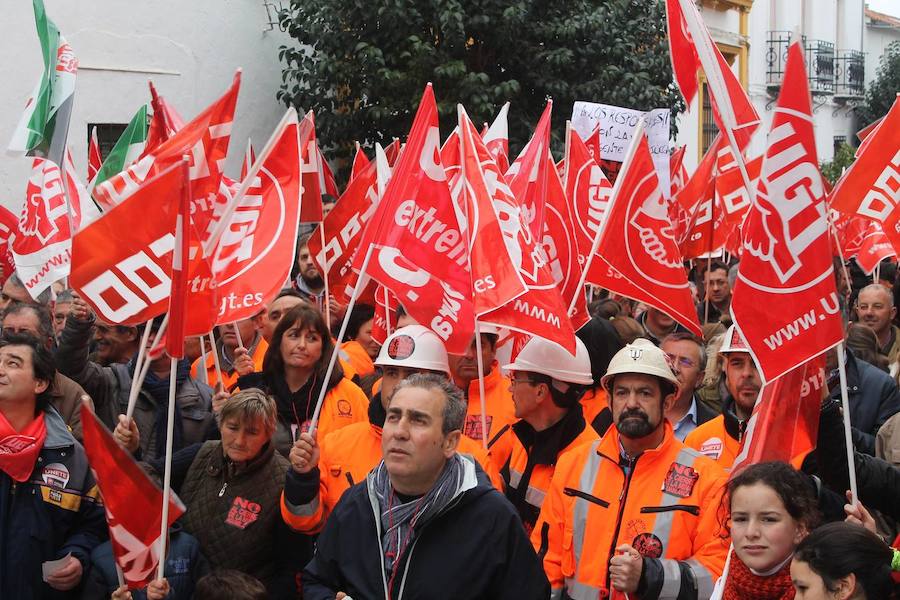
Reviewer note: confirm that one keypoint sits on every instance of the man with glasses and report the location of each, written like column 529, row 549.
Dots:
column 687, row 357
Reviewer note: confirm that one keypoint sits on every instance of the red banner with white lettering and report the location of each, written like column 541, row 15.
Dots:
column 638, row 240
column 871, row 186
column 705, row 232
column 787, row 254
column 527, row 176
column 254, row 256
column 360, row 162
column 496, row 138
column 417, row 246
column 9, row 226
column 42, row 249
column 874, row 248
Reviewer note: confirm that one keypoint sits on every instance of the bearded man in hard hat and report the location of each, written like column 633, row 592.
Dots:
column 720, row 438
column 321, row 473
column 635, row 511
column 546, row 383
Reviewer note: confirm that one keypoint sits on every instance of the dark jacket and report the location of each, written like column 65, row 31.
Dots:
column 184, row 566
column 878, row 481
column 65, row 396
column 109, row 386
column 873, row 398
column 55, row 512
column 235, row 513
column 476, row 548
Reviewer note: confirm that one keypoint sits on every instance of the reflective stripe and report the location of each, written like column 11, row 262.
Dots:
column 556, row 594
column 662, row 527
column 581, row 591
column 533, row 496
column 303, row 510
column 671, row 586
column 704, row 578
column 579, row 514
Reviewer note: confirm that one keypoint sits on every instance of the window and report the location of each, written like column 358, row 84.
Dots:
column 107, row 135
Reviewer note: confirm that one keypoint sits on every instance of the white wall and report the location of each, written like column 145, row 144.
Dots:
column 878, row 38
column 189, row 48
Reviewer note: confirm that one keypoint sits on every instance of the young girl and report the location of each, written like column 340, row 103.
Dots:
column 772, row 507
column 842, row 561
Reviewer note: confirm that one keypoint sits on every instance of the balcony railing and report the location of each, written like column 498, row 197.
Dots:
column 819, row 57
column 850, row 74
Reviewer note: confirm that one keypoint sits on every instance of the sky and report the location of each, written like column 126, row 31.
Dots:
column 888, row 7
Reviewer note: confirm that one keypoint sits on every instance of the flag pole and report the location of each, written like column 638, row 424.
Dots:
column 203, row 359
column 321, row 229
column 848, row 439
column 484, row 432
column 237, row 333
column 138, row 366
column 167, row 478
column 334, row 355
column 837, row 244
column 136, row 385
column 632, row 149
column 387, row 312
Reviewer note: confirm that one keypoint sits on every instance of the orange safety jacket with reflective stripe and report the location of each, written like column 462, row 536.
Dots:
column 710, row 439
column 229, row 376
column 500, row 410
column 358, row 358
column 664, row 503
column 529, row 467
column 595, row 403
column 345, row 458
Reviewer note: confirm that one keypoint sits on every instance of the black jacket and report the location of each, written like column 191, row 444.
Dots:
column 873, row 398
column 476, row 548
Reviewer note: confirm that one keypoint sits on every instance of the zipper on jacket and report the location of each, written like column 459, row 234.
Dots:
column 690, row 508
column 222, row 491
column 584, row 495
column 623, row 498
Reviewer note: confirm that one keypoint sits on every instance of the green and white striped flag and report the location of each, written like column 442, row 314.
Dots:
column 127, row 149
column 45, row 123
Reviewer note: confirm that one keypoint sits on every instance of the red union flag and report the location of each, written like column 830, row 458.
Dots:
column 415, row 239
column 132, row 502
column 849, row 233
column 253, row 258
column 311, row 205
column 95, row 161
column 528, row 175
column 787, row 254
column 360, row 162
column 874, row 248
column 871, row 187
column 205, row 140
column 638, row 240
column 785, row 421
column 42, row 249
column 343, row 229
column 730, row 189
column 123, row 261
column 9, row 225
column 677, row 170
column 496, row 138
column 705, row 232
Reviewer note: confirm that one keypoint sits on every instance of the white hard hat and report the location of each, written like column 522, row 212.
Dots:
column 734, row 342
column 549, row 358
column 640, row 356
column 414, row 347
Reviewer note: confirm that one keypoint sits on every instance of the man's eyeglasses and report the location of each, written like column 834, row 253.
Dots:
column 681, row 361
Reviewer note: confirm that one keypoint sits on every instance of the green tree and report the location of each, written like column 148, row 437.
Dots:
column 361, row 66
column 843, row 158
column 884, row 88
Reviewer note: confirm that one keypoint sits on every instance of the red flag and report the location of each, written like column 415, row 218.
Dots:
column 479, row 188
column 42, row 249
column 123, row 264
column 874, row 248
column 678, row 172
column 593, row 144
column 392, row 152
column 9, row 225
column 132, row 502
column 871, row 187
column 164, row 123
column 527, row 176
column 496, row 138
column 311, row 202
column 179, row 287
column 638, row 239
column 81, row 206
column 691, row 49
column 385, row 314
column 416, row 242
column 326, row 178
column 730, row 188
column 343, row 230
column 249, row 159
column 850, row 231
column 94, row 158
column 254, row 256
column 785, row 420
column 705, row 231
column 205, row 140
column 360, row 162
column 787, row 255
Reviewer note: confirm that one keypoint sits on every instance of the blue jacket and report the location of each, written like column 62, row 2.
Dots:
column 55, row 512
column 184, row 566
column 873, row 397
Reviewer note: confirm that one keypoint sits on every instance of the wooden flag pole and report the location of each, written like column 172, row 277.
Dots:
column 215, row 353
column 203, row 360
column 848, row 438
column 138, row 379
column 167, row 478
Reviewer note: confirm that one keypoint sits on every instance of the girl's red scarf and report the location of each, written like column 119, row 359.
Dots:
column 19, row 449
column 744, row 585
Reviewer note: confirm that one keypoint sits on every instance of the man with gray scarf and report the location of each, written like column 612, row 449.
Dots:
column 426, row 523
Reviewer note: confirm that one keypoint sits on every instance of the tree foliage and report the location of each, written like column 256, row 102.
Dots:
column 843, row 158
column 884, row 88
column 361, row 66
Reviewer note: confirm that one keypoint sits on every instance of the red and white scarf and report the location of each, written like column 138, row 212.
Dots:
column 19, row 449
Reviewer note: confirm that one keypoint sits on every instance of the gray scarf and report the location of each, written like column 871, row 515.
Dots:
column 397, row 518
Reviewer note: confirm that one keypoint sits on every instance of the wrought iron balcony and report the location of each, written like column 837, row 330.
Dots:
column 850, row 74
column 818, row 55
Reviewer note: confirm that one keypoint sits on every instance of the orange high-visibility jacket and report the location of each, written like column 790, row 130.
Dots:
column 595, row 404
column 345, row 458
column 534, row 466
column 666, row 507
column 229, row 376
column 712, row 440
column 358, row 358
column 500, row 410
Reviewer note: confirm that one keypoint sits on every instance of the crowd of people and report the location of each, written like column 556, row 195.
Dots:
column 603, row 473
